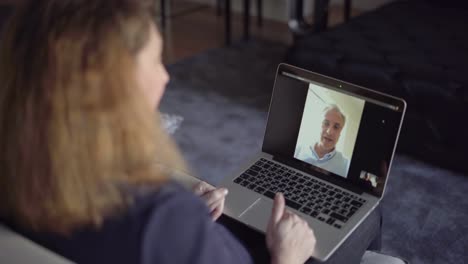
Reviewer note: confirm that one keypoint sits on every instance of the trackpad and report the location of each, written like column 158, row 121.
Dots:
column 258, row 214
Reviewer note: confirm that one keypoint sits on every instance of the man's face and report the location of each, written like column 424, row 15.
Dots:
column 332, row 125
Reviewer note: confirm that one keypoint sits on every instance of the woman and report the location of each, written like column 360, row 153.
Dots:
column 85, row 169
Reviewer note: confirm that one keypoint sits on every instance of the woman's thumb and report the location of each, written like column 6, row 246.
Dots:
column 278, row 208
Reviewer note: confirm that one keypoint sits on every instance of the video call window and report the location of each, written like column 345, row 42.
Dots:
column 329, row 128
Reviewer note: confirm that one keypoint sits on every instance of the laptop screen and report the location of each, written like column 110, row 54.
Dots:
column 334, row 130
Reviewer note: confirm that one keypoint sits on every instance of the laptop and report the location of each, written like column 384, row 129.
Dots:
column 328, row 147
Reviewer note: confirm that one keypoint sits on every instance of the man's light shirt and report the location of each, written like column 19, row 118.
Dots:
column 333, row 161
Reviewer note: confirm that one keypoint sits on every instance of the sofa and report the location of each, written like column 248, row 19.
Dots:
column 16, row 249
column 413, row 49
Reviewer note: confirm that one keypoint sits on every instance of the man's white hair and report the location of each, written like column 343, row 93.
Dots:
column 336, row 108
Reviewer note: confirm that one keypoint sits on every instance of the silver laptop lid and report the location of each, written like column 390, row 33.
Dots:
column 337, row 131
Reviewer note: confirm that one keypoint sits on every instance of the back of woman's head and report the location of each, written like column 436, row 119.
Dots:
column 73, row 124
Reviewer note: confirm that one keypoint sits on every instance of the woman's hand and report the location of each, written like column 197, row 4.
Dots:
column 289, row 238
column 213, row 197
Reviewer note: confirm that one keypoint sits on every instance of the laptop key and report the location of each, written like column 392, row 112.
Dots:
column 244, row 176
column 314, row 214
column 259, row 189
column 339, row 217
column 238, row 180
column 292, row 204
column 252, row 172
column 251, row 186
column 295, row 197
column 330, row 221
column 270, row 194
column 350, row 214
column 256, row 168
column 337, row 226
column 244, row 183
column 292, row 183
column 343, row 212
column 356, row 203
column 305, row 210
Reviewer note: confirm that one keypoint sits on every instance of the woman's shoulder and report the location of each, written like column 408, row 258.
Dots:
column 166, row 196
column 179, row 229
column 168, row 203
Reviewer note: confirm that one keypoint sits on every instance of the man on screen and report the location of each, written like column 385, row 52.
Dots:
column 323, row 153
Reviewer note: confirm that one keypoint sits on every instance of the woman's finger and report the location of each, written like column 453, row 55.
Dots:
column 202, row 188
column 278, row 211
column 217, row 211
column 214, row 196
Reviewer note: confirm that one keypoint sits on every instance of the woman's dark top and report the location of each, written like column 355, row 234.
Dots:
column 170, row 225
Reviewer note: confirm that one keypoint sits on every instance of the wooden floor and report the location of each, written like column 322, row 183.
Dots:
column 189, row 33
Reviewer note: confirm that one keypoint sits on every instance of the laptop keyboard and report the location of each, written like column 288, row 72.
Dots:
column 303, row 193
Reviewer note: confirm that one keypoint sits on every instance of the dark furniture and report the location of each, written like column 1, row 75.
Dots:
column 227, row 6
column 417, row 50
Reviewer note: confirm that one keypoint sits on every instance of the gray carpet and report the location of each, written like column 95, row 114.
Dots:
column 223, row 95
